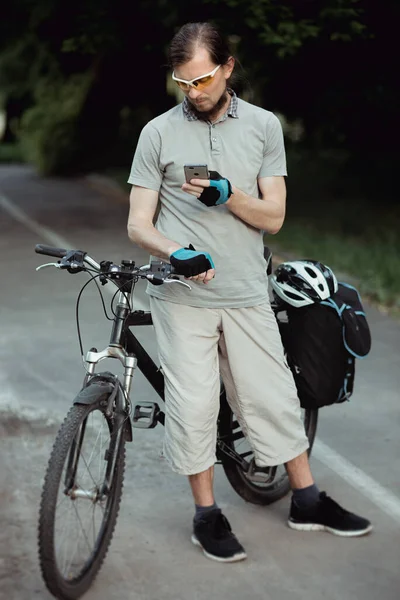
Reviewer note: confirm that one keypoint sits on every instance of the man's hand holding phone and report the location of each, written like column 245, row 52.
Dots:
column 211, row 191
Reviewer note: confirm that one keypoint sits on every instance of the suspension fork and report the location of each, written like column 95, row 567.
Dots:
column 73, row 459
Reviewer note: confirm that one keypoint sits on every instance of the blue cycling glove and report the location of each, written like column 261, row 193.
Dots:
column 189, row 262
column 219, row 191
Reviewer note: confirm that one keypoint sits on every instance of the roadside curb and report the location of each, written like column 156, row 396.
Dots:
column 106, row 186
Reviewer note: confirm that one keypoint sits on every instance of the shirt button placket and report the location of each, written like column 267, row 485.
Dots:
column 214, row 142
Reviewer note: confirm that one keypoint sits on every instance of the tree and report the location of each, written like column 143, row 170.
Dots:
column 93, row 72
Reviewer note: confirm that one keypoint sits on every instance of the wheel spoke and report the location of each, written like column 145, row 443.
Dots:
column 93, row 526
column 94, row 445
column 87, row 463
column 100, row 457
column 67, row 542
column 80, row 531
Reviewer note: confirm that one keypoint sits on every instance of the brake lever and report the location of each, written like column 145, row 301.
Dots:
column 157, row 280
column 166, row 280
column 70, row 267
column 52, row 264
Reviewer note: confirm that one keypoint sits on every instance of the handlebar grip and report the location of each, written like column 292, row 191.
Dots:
column 50, row 251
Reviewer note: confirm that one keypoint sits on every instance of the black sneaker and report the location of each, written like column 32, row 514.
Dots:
column 214, row 535
column 327, row 515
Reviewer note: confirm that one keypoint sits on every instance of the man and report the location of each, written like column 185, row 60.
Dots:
column 212, row 232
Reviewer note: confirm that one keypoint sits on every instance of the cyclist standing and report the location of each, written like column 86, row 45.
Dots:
column 212, row 232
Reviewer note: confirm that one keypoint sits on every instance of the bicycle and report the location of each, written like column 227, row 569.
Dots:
column 86, row 466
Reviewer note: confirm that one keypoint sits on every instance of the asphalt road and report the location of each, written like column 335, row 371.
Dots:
column 356, row 459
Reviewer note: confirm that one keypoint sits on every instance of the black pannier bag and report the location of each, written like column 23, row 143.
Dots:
column 322, row 341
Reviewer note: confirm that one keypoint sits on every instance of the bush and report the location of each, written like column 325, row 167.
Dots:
column 49, row 130
column 10, row 153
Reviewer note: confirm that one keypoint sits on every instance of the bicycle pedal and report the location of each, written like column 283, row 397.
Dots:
column 260, row 474
column 145, row 415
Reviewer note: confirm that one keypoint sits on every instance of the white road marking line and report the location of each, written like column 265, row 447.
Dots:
column 363, row 483
column 51, row 237
column 19, row 215
column 383, row 498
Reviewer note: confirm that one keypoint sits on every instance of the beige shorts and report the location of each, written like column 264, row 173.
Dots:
column 195, row 346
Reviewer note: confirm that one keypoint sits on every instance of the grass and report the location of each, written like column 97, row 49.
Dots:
column 373, row 260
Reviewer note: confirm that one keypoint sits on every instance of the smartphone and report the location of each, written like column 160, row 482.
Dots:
column 196, row 172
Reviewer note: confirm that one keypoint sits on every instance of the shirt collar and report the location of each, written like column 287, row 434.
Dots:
column 231, row 112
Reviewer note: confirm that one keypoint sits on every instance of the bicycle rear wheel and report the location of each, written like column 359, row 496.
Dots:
column 233, row 447
column 80, row 499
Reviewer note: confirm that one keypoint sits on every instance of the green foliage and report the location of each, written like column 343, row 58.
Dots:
column 92, row 31
column 307, row 60
column 329, row 219
column 373, row 259
column 48, row 134
column 10, row 153
column 287, row 25
column 22, row 64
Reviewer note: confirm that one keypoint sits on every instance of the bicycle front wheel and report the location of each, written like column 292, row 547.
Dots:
column 80, row 499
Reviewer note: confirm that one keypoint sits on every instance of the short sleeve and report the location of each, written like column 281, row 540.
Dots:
column 145, row 170
column 274, row 160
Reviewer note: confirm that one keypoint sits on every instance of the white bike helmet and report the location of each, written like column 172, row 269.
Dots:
column 303, row 282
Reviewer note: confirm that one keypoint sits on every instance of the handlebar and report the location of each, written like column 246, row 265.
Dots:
column 157, row 272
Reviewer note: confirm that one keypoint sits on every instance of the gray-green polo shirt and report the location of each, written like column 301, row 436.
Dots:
column 244, row 145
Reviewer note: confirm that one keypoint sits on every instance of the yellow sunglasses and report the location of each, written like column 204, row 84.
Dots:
column 198, row 83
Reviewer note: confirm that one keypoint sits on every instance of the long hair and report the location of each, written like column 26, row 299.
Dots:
column 194, row 35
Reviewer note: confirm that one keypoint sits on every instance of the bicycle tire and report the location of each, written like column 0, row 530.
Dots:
column 55, row 581
column 246, row 489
